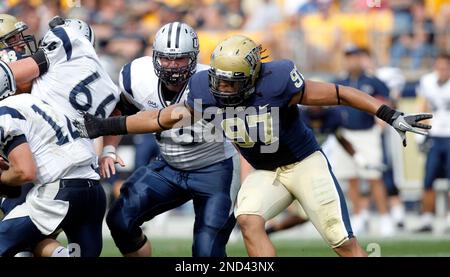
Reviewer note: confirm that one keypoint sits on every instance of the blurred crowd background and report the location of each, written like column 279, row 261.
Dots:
column 404, row 35
column 401, row 33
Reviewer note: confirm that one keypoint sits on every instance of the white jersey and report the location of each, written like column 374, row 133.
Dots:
column 57, row 149
column 438, row 97
column 142, row 87
column 75, row 82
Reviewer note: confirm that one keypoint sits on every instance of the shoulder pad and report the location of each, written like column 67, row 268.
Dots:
column 7, row 81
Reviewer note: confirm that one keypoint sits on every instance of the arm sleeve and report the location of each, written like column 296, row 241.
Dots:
column 127, row 105
column 61, row 44
column 125, row 79
column 57, row 46
column 295, row 82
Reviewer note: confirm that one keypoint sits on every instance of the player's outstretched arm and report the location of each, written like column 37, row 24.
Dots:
column 326, row 94
column 140, row 123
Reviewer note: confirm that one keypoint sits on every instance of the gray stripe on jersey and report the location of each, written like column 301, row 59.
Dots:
column 177, row 147
column 194, row 156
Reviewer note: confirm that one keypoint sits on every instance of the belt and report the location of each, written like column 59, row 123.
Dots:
column 78, row 183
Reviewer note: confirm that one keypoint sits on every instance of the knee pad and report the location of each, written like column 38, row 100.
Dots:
column 333, row 233
column 332, row 227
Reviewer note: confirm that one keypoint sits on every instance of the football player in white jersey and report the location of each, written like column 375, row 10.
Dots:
column 14, row 45
column 42, row 146
column 434, row 93
column 64, row 72
column 188, row 168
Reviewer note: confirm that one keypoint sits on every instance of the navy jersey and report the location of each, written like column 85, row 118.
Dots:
column 268, row 132
column 355, row 119
column 323, row 120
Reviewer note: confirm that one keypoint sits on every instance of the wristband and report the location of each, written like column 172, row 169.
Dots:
column 385, row 113
column 41, row 60
column 109, row 151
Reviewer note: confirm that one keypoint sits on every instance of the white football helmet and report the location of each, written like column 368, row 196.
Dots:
column 175, row 40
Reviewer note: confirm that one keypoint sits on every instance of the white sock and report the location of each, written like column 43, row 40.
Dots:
column 427, row 219
column 61, row 252
column 398, row 213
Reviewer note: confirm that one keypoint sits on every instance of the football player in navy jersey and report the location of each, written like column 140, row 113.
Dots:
column 255, row 105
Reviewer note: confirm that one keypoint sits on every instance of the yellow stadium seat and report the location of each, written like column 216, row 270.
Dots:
column 354, row 28
column 320, row 31
column 12, row 3
column 210, row 39
column 381, row 21
column 434, row 6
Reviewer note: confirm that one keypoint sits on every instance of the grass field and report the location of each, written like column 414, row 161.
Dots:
column 305, row 248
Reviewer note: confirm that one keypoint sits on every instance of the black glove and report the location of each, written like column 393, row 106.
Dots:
column 403, row 123
column 10, row 191
column 94, row 127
